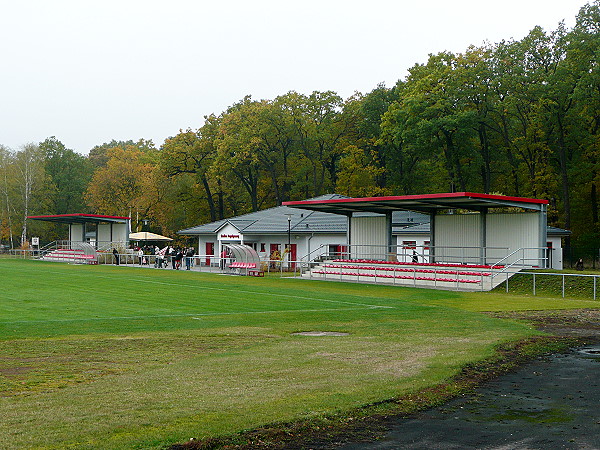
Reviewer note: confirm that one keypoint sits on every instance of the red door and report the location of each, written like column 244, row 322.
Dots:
column 210, row 251
column 341, row 251
column 293, row 255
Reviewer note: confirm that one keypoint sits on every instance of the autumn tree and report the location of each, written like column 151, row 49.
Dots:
column 190, row 153
column 130, row 184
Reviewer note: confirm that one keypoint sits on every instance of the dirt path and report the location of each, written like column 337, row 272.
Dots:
column 550, row 403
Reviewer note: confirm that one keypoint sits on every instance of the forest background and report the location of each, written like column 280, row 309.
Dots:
column 519, row 117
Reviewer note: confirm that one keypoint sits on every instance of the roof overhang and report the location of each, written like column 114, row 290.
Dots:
column 81, row 218
column 428, row 203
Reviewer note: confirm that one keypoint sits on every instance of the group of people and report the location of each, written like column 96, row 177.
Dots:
column 175, row 255
column 162, row 257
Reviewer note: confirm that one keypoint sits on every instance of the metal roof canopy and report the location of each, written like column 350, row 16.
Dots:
column 80, row 218
column 427, row 203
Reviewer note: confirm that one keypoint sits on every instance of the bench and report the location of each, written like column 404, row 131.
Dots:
column 251, row 268
column 256, row 273
column 405, row 269
column 71, row 255
column 400, row 277
column 242, row 265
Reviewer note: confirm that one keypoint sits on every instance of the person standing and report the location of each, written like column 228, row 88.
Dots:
column 415, row 257
column 173, row 256
column 116, row 256
column 188, row 258
column 178, row 258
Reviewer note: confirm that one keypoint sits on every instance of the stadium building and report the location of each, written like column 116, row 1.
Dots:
column 457, row 227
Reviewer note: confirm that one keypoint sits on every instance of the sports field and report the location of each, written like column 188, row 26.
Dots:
column 118, row 357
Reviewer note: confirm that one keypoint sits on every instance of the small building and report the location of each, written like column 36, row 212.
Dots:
column 308, row 233
column 97, row 230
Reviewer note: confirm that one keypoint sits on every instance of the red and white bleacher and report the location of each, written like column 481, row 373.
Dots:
column 70, row 255
column 408, row 273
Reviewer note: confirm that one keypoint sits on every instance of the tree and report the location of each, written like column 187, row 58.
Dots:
column 319, row 126
column 191, row 152
column 429, row 119
column 359, row 171
column 98, row 155
column 70, row 174
column 6, row 204
column 237, row 150
column 129, row 185
column 387, row 154
column 32, row 184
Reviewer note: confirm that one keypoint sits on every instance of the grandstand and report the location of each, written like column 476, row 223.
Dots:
column 474, row 238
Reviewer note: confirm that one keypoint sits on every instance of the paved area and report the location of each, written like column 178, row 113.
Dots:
column 552, row 403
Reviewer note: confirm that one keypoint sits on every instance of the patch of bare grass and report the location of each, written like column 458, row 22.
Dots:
column 33, row 365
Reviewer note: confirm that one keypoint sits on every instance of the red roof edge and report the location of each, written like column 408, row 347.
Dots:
column 421, row 197
column 93, row 216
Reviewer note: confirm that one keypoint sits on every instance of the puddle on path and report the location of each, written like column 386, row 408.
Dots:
column 547, row 404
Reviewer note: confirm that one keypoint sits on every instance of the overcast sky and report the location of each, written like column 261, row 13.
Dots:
column 89, row 72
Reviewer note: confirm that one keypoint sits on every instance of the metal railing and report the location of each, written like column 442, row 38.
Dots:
column 506, row 267
column 586, row 285
column 560, row 284
column 410, row 253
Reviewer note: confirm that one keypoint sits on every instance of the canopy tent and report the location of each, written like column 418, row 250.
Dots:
column 147, row 236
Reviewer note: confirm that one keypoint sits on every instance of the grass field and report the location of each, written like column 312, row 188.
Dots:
column 114, row 357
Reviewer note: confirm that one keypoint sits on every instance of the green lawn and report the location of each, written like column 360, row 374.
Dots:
column 115, row 357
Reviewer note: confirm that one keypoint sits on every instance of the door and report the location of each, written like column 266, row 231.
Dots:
column 210, row 251
column 549, row 255
column 293, row 255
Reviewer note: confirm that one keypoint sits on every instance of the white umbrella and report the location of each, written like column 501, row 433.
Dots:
column 147, row 236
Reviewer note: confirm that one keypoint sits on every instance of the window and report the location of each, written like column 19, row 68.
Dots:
column 409, row 244
column 262, row 247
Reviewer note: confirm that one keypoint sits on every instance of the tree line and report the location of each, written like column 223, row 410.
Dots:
column 519, row 117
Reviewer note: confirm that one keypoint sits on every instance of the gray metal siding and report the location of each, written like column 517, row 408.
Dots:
column 457, row 238
column 369, row 237
column 515, row 231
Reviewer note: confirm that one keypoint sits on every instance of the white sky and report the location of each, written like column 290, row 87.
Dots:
column 89, row 72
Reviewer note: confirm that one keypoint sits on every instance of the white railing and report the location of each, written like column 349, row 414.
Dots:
column 521, row 258
column 413, row 253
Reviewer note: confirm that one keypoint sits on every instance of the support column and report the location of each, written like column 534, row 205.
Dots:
column 389, row 244
column 483, row 237
column 432, row 242
column 349, row 235
column 543, row 239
